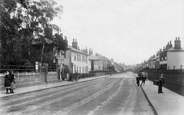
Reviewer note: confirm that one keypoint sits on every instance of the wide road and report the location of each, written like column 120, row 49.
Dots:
column 114, row 95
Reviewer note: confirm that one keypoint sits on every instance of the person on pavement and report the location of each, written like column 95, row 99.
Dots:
column 143, row 78
column 137, row 79
column 160, row 83
column 7, row 82
column 12, row 80
column 140, row 76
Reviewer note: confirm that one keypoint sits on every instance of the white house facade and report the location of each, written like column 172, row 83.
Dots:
column 175, row 56
column 76, row 59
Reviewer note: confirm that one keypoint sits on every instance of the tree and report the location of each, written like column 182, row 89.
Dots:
column 9, row 31
column 26, row 32
column 111, row 68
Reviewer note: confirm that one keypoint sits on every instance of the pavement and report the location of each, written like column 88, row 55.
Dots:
column 29, row 89
column 167, row 103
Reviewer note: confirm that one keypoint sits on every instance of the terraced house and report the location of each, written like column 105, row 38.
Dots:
column 76, row 59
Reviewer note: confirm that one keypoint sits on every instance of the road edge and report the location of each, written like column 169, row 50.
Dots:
column 155, row 112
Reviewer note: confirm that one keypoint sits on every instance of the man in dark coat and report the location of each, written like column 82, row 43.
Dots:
column 160, row 83
column 137, row 79
column 12, row 80
column 7, row 82
column 144, row 75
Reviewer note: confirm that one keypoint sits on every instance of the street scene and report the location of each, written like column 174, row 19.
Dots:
column 91, row 57
column 111, row 95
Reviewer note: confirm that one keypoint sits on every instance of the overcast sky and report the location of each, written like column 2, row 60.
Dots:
column 128, row 31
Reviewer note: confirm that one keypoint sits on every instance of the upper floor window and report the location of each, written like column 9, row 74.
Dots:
column 74, row 56
column 77, row 57
column 83, row 58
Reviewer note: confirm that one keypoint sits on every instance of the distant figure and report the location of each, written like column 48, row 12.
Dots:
column 160, row 83
column 143, row 78
column 12, row 80
column 7, row 82
column 137, row 79
column 140, row 76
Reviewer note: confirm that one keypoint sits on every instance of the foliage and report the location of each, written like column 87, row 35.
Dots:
column 111, row 68
column 26, row 32
column 65, row 70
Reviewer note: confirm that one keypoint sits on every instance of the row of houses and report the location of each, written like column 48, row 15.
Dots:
column 84, row 61
column 171, row 57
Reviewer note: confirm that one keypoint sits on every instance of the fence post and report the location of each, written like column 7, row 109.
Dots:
column 18, row 77
column 45, row 65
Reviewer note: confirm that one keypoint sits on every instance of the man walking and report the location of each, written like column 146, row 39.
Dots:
column 137, row 79
column 7, row 82
column 143, row 78
column 160, row 83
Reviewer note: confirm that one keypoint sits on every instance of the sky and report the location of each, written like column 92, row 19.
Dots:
column 128, row 31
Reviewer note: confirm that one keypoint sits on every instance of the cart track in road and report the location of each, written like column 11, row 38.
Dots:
column 115, row 95
column 53, row 98
column 84, row 101
column 33, row 95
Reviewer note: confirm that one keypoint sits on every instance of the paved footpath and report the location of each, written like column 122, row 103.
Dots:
column 167, row 103
column 44, row 86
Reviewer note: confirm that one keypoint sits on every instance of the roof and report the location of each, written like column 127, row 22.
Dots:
column 175, row 50
column 92, row 57
column 76, row 50
column 155, row 58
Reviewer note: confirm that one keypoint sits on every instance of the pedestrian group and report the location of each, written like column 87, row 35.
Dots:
column 9, row 82
column 141, row 76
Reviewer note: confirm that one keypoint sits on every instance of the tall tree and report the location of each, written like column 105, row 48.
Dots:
column 26, row 26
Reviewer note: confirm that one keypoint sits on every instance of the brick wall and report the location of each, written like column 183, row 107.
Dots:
column 28, row 79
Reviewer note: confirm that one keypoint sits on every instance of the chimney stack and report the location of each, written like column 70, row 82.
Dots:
column 177, row 44
column 167, row 46
column 164, row 48
column 170, row 44
column 75, row 44
column 90, row 51
column 66, row 39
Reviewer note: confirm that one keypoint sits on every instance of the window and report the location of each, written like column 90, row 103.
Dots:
column 79, row 69
column 86, row 69
column 86, row 60
column 77, row 57
column 80, row 58
column 74, row 56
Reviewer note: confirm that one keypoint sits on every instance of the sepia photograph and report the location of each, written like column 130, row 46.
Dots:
column 91, row 57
